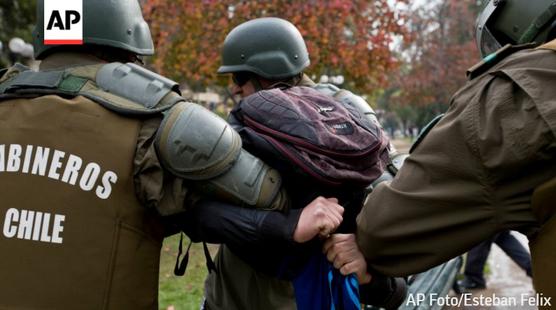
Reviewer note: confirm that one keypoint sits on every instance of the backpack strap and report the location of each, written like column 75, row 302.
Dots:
column 123, row 88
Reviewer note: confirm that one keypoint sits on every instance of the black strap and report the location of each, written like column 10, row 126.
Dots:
column 539, row 23
column 424, row 132
column 210, row 264
column 33, row 80
column 179, row 269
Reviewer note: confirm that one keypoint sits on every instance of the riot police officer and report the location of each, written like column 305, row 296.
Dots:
column 486, row 167
column 96, row 153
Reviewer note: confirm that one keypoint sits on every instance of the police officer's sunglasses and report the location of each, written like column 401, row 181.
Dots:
column 241, row 78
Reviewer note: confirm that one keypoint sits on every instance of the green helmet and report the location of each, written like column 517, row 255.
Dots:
column 118, row 24
column 269, row 47
column 504, row 22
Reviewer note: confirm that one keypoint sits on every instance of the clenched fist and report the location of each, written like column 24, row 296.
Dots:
column 321, row 217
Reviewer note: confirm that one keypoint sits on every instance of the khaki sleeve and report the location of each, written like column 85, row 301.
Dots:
column 155, row 187
column 458, row 187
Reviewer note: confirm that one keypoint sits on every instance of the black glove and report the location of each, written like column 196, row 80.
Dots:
column 384, row 292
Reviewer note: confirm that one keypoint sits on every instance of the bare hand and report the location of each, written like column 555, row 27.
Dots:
column 321, row 217
column 343, row 252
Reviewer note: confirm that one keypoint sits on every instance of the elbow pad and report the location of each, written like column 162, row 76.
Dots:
column 197, row 145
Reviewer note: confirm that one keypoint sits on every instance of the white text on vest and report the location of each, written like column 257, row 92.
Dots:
column 33, row 225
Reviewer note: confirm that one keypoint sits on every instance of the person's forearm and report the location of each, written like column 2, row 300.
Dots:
column 241, row 228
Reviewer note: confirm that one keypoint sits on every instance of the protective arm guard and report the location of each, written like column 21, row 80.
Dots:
column 197, row 145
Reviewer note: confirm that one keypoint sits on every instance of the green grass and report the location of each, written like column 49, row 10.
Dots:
column 182, row 293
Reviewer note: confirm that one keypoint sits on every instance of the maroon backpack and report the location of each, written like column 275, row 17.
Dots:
column 330, row 141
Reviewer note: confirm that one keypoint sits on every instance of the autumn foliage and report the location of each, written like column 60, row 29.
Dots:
column 412, row 79
column 441, row 48
column 349, row 38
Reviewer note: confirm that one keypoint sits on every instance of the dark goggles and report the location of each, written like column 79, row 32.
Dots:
column 241, row 78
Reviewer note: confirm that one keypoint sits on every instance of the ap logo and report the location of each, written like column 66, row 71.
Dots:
column 63, row 22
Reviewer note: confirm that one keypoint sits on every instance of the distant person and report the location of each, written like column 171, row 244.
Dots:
column 477, row 257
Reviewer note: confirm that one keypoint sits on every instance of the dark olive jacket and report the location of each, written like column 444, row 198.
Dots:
column 473, row 175
column 80, row 185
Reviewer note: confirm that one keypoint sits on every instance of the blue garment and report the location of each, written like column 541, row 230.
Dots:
column 321, row 286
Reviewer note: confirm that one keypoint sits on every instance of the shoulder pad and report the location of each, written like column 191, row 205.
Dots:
column 494, row 58
column 346, row 97
column 196, row 144
column 352, row 102
column 357, row 102
column 326, row 88
column 136, row 84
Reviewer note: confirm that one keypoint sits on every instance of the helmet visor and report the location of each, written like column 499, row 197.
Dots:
column 486, row 42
